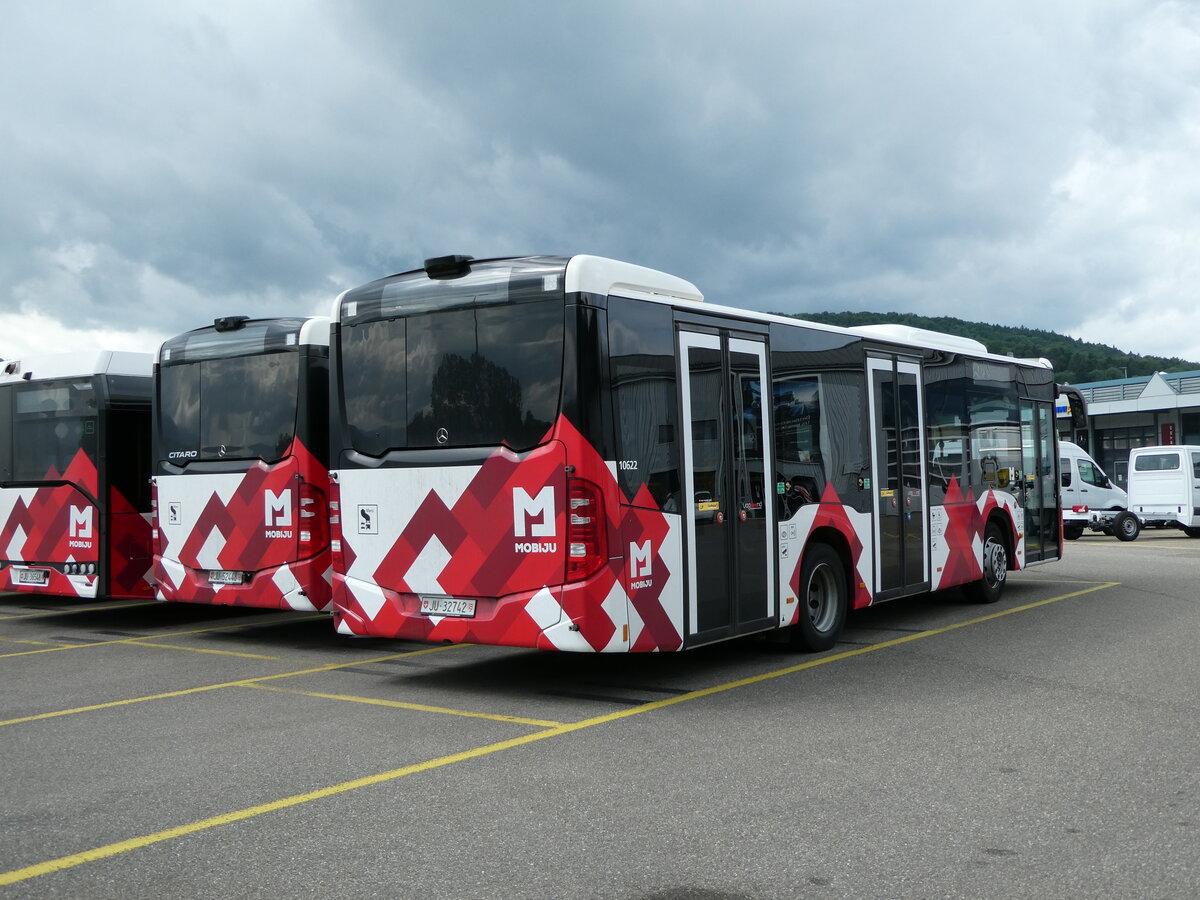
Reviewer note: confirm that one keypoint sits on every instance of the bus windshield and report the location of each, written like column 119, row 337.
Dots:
column 52, row 422
column 475, row 361
column 240, row 408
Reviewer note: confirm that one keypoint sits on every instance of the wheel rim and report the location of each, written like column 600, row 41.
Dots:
column 995, row 562
column 1129, row 525
column 822, row 599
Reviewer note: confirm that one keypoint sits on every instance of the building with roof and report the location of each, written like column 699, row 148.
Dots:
column 1136, row 412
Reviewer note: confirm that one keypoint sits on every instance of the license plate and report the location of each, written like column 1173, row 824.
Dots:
column 222, row 576
column 447, row 606
column 32, row 576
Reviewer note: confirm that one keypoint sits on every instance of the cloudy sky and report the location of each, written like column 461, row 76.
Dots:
column 1025, row 163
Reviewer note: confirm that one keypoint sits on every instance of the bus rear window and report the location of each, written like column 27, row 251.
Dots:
column 474, row 376
column 52, row 423
column 238, row 408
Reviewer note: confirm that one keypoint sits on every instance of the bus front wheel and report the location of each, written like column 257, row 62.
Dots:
column 824, row 599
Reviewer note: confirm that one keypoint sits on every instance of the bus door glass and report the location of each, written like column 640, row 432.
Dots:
column 898, row 472
column 1040, row 486
column 730, row 510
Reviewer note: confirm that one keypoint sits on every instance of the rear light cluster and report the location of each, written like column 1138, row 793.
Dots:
column 312, row 518
column 156, row 548
column 335, row 527
column 587, row 549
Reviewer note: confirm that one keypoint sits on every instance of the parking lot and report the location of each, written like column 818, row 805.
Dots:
column 1045, row 746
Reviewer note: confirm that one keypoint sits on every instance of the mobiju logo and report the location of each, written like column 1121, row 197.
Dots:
column 278, row 512
column 534, row 517
column 641, row 558
column 79, row 528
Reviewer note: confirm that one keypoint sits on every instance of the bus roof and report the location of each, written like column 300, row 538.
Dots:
column 583, row 273
column 921, row 337
column 886, row 334
column 600, row 275
column 45, row 366
column 238, row 335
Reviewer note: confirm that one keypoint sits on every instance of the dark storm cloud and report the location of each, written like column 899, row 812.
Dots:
column 168, row 163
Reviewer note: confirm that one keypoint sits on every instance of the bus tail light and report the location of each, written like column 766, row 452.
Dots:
column 312, row 518
column 155, row 544
column 335, row 528
column 586, row 525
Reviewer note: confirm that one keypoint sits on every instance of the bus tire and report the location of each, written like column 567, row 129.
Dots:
column 995, row 567
column 1126, row 526
column 824, row 600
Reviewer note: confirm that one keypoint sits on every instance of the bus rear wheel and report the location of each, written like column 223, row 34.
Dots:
column 995, row 568
column 824, row 600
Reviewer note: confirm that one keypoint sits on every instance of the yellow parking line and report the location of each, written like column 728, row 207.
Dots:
column 1174, row 545
column 203, row 650
column 8, row 640
column 97, row 853
column 1082, row 582
column 418, row 707
column 241, row 682
column 133, row 640
column 82, row 609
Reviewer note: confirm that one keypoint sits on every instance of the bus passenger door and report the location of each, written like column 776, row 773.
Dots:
column 729, row 483
column 898, row 475
column 1040, row 487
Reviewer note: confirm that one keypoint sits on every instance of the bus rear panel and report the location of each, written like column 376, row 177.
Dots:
column 476, row 498
column 74, row 451
column 241, row 467
column 577, row 454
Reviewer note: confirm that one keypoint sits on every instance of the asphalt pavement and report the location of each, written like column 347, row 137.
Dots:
column 1044, row 746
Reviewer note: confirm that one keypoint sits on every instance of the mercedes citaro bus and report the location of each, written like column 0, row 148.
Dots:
column 240, row 464
column 580, row 454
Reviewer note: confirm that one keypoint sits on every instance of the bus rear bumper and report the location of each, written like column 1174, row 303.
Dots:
column 514, row 620
column 300, row 585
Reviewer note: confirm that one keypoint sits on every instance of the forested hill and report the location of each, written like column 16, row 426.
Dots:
column 1075, row 361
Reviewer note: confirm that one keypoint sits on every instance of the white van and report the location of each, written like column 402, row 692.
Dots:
column 1164, row 486
column 1090, row 499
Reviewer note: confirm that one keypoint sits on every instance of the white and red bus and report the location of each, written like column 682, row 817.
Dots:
column 241, row 475
column 74, row 458
column 578, row 453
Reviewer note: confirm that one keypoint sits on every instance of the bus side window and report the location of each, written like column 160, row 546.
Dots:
column 796, row 403
column 641, row 347
column 947, row 436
